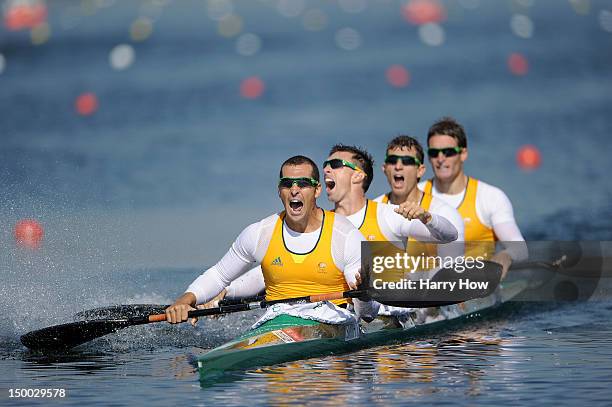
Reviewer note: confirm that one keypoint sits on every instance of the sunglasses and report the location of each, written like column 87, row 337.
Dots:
column 406, row 160
column 302, row 182
column 447, row 152
column 338, row 163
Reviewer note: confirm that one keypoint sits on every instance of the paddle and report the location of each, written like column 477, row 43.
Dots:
column 72, row 334
column 120, row 311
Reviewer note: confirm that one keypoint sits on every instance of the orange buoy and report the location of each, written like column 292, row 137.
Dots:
column 252, row 87
column 528, row 157
column 86, row 104
column 29, row 233
column 398, row 76
column 518, row 64
column 419, row 12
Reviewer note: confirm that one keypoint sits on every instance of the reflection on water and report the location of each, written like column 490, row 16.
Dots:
column 517, row 355
column 383, row 374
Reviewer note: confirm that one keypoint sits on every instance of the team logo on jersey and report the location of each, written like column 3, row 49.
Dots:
column 371, row 237
column 277, row 262
column 322, row 267
column 467, row 220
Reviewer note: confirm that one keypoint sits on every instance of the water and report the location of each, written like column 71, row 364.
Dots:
column 139, row 197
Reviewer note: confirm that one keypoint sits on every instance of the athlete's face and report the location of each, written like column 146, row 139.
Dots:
column 298, row 202
column 339, row 181
column 402, row 178
column 446, row 168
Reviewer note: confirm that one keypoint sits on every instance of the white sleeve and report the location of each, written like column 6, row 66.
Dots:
column 511, row 238
column 498, row 214
column 439, row 229
column 248, row 285
column 495, row 206
column 352, row 255
column 456, row 248
column 238, row 260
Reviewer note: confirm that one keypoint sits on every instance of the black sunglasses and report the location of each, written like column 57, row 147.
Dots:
column 406, row 160
column 447, row 151
column 336, row 163
column 301, row 182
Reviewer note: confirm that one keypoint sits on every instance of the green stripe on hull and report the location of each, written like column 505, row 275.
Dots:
column 280, row 322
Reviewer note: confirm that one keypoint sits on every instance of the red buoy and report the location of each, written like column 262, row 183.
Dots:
column 252, row 87
column 518, row 64
column 29, row 233
column 86, row 104
column 528, row 157
column 398, row 76
column 419, row 12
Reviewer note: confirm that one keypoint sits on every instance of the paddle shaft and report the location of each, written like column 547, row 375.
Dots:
column 246, row 306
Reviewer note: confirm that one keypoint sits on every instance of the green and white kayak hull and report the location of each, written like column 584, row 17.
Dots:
column 288, row 338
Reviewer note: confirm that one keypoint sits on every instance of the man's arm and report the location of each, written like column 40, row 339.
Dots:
column 419, row 224
column 456, row 248
column 248, row 285
column 499, row 213
column 237, row 261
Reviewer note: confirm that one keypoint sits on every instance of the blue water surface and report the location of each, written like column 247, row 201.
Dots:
column 138, row 198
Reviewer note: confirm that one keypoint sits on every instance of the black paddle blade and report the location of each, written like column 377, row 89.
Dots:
column 445, row 287
column 66, row 336
column 120, row 311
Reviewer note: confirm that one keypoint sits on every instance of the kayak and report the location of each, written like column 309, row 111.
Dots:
column 288, row 338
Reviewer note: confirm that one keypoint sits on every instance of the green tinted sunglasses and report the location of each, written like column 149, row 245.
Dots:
column 338, row 163
column 447, row 152
column 406, row 160
column 301, row 182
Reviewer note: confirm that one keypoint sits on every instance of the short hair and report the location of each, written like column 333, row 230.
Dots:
column 363, row 158
column 299, row 160
column 407, row 142
column 447, row 126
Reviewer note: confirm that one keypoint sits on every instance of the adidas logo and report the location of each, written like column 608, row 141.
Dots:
column 277, row 262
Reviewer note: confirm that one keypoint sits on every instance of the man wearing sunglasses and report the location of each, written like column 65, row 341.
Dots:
column 303, row 250
column 348, row 174
column 403, row 167
column 486, row 210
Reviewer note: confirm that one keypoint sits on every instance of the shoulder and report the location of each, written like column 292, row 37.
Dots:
column 342, row 224
column 489, row 191
column 385, row 209
column 493, row 205
column 386, row 215
column 266, row 223
column 345, row 233
column 440, row 207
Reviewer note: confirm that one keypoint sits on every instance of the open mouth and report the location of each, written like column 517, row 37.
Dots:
column 296, row 204
column 330, row 183
column 398, row 180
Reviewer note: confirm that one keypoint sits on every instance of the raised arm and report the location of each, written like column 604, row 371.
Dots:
column 421, row 225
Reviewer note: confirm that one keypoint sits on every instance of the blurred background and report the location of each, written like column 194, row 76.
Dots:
column 145, row 134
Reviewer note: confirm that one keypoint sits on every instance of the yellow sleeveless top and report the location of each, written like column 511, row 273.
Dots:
column 475, row 231
column 369, row 228
column 289, row 274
